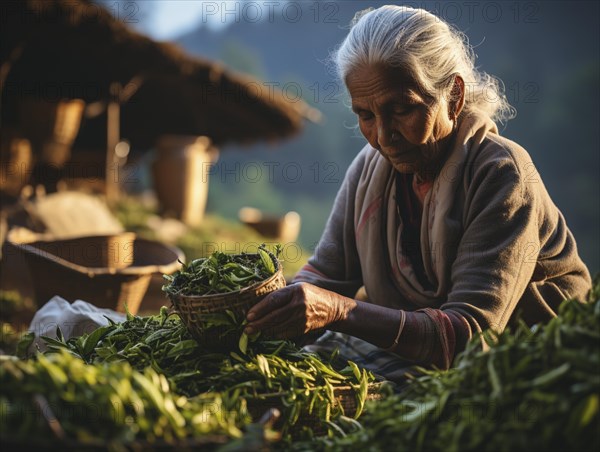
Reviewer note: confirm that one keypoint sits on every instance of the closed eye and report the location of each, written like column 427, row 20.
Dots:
column 364, row 115
column 402, row 110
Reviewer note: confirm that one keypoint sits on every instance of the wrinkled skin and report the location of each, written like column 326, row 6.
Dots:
column 386, row 101
column 297, row 309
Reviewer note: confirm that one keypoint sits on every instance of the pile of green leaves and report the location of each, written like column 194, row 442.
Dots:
column 534, row 389
column 59, row 396
column 221, row 273
column 265, row 373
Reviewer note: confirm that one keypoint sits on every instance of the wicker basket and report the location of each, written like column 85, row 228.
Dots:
column 108, row 271
column 192, row 308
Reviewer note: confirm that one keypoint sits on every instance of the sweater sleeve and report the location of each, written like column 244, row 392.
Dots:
column 434, row 337
column 498, row 251
column 335, row 263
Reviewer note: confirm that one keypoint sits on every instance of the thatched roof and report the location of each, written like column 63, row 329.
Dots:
column 76, row 49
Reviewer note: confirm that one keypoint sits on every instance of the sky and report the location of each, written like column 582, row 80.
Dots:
column 167, row 19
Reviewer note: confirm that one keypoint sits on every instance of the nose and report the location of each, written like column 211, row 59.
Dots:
column 384, row 133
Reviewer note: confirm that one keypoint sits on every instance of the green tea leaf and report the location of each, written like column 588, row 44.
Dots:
column 243, row 343
column 183, row 348
column 355, row 370
column 361, row 396
column 590, row 411
column 266, row 260
column 263, row 365
column 550, row 376
column 92, row 340
column 59, row 334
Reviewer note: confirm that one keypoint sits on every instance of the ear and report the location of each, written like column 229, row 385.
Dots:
column 456, row 101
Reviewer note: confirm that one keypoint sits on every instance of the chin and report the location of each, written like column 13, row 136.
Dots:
column 405, row 168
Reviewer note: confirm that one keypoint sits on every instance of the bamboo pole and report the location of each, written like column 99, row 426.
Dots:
column 113, row 132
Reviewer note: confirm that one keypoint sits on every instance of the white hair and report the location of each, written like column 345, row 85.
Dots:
column 430, row 50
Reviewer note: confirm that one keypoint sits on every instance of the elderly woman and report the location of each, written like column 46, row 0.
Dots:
column 445, row 223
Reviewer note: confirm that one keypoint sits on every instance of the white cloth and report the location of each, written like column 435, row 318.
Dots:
column 74, row 319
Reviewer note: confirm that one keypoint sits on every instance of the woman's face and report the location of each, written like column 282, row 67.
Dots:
column 386, row 100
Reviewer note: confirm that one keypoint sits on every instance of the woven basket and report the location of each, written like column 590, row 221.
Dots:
column 191, row 308
column 107, row 271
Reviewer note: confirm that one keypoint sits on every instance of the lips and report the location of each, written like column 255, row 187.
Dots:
column 400, row 157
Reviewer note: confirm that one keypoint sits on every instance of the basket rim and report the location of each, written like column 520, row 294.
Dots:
column 243, row 290
column 29, row 247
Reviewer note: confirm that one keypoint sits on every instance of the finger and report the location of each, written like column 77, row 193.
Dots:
column 272, row 301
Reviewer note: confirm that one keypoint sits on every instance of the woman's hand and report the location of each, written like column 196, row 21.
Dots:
column 297, row 309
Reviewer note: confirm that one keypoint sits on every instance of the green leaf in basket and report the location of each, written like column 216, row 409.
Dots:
column 278, row 250
column 266, row 260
